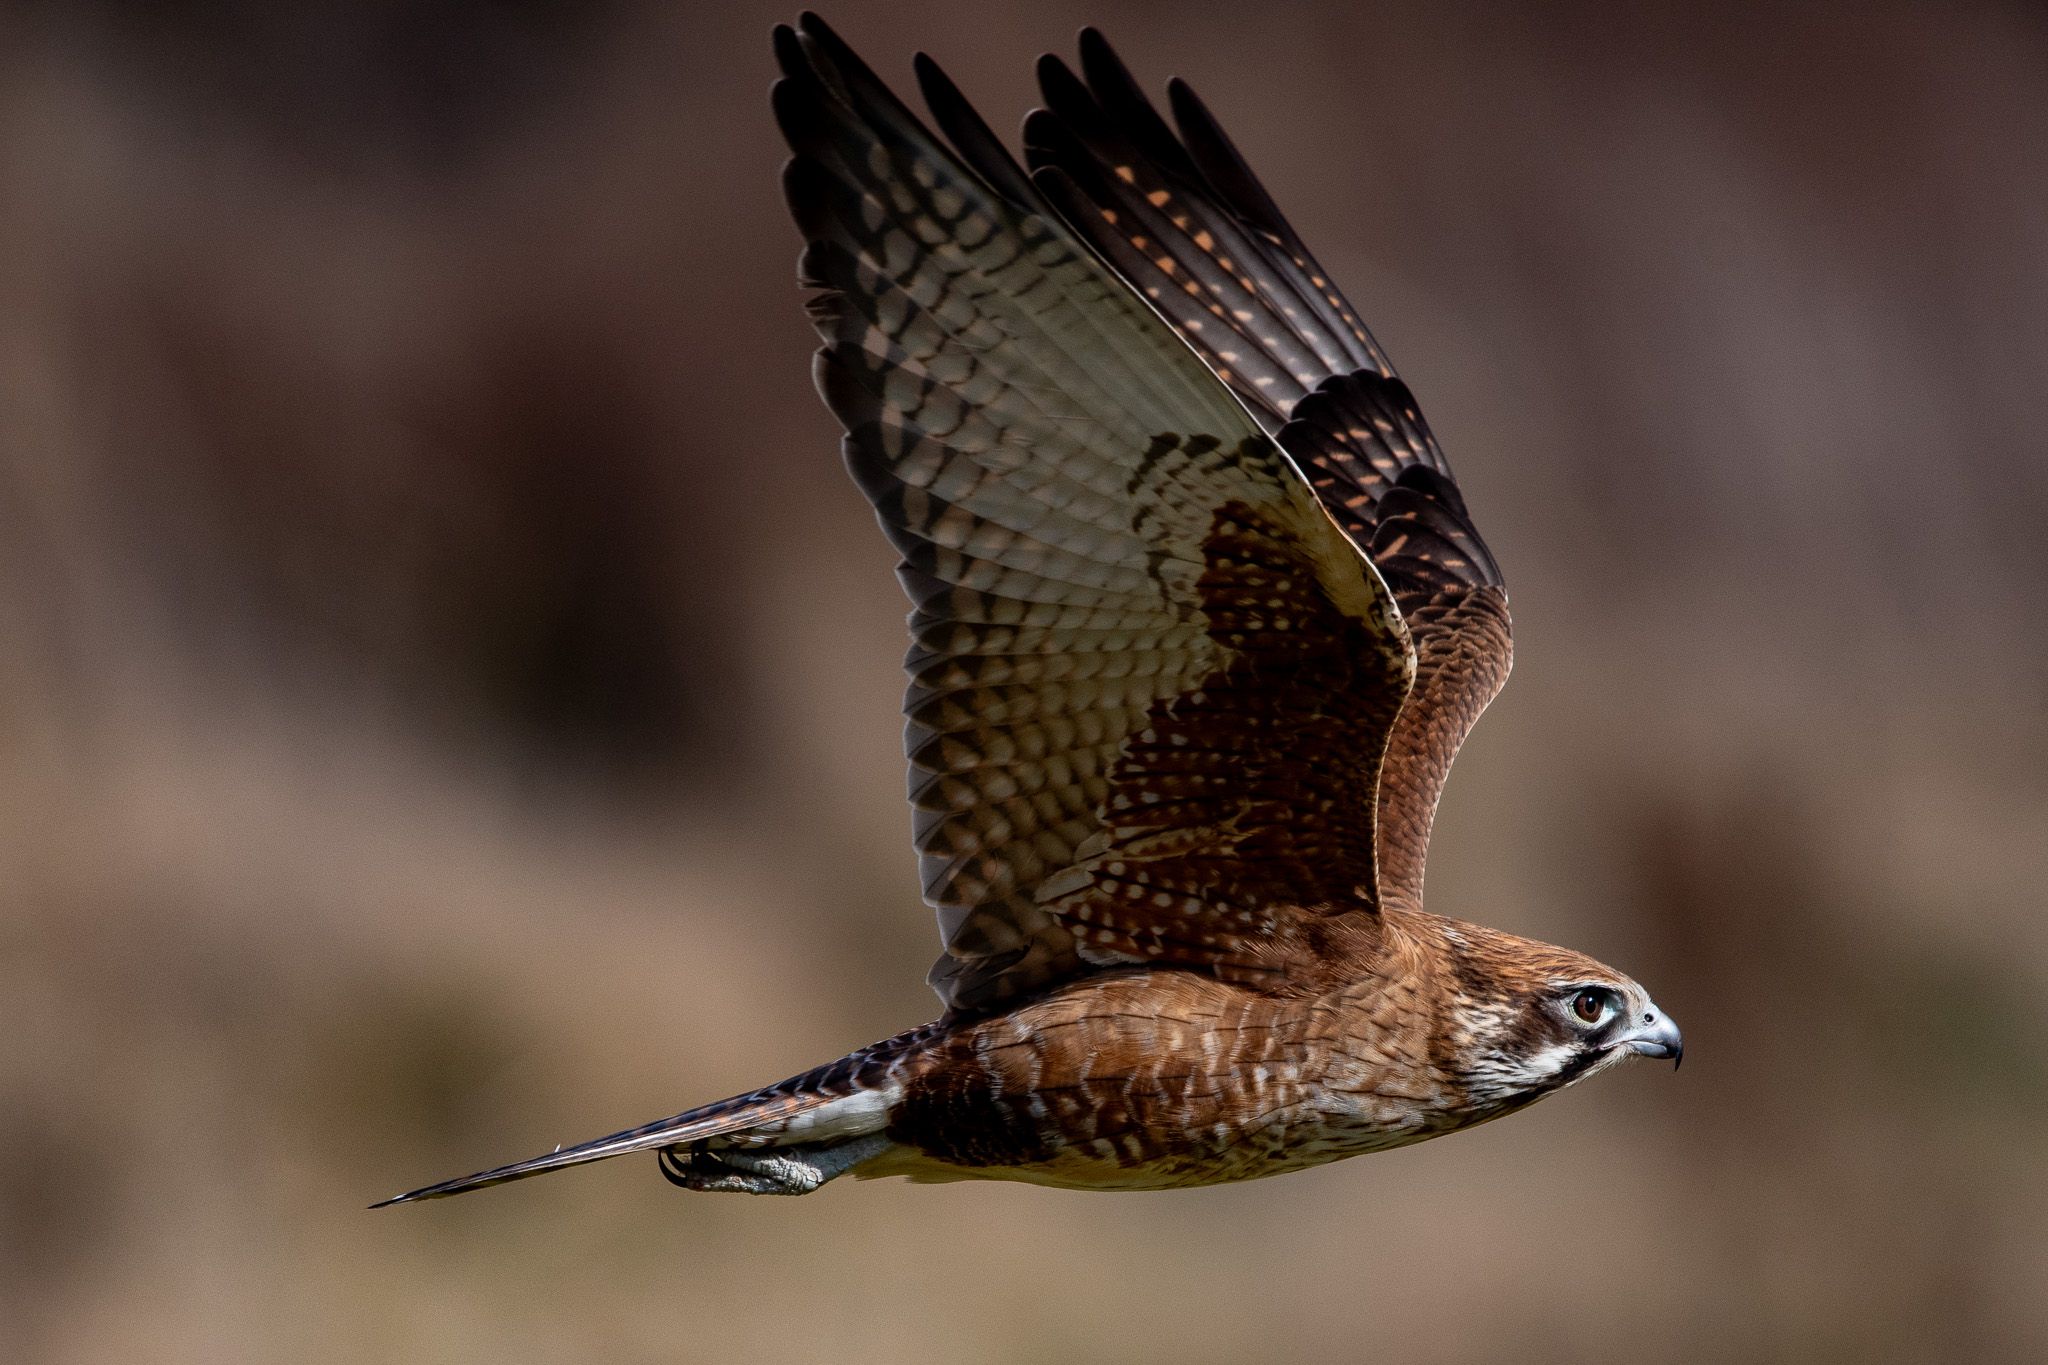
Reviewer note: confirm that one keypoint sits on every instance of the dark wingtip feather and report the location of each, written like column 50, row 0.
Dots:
column 845, row 64
column 798, row 103
column 1222, row 164
column 1058, row 85
column 1130, row 110
column 789, row 50
column 1097, row 56
column 807, row 190
column 970, row 134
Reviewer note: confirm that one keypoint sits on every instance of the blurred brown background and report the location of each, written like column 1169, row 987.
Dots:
column 448, row 686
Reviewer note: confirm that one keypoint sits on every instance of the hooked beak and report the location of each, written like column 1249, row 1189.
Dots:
column 1655, row 1035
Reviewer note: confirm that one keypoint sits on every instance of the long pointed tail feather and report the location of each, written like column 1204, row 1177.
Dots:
column 696, row 1125
column 847, row 1098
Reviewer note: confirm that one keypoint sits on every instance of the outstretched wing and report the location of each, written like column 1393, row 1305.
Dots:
column 1180, row 216
column 1151, row 681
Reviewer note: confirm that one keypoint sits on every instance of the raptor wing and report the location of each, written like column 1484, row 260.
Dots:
column 1179, row 214
column 1151, row 682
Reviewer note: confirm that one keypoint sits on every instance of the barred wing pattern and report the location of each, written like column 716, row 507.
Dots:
column 1179, row 214
column 1151, row 681
column 1183, row 219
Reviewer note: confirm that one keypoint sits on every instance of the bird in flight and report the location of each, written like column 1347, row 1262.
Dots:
column 1200, row 620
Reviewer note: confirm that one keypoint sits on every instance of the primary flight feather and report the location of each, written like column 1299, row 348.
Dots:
column 1199, row 622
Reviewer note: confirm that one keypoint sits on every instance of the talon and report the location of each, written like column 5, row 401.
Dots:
column 734, row 1172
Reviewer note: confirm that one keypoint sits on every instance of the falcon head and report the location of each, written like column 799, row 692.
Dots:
column 1526, row 1018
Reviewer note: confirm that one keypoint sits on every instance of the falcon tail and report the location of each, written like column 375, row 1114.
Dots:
column 835, row 1113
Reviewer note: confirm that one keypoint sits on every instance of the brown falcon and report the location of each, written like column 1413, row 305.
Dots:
column 1200, row 621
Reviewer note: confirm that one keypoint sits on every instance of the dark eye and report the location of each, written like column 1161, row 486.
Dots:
column 1590, row 1005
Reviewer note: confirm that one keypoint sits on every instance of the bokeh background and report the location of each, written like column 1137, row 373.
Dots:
column 448, row 685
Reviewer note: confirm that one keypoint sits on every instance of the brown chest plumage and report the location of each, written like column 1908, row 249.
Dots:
column 1161, row 1079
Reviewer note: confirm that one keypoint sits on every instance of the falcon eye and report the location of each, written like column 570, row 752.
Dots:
column 1590, row 1005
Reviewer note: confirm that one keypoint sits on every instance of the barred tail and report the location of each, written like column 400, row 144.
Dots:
column 849, row 1098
